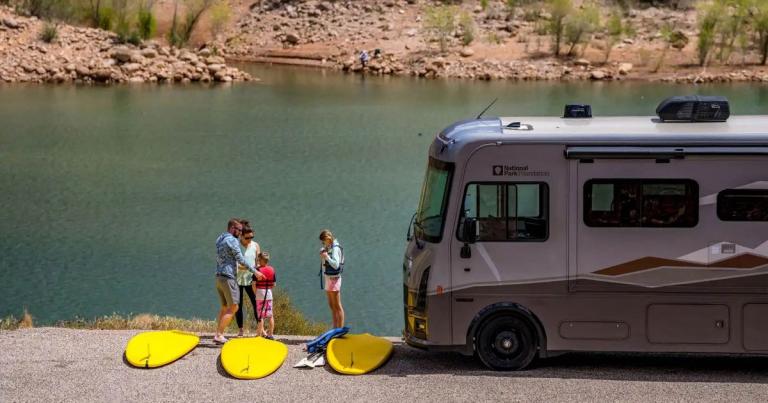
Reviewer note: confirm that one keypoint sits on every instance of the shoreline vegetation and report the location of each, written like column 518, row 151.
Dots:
column 112, row 41
column 288, row 321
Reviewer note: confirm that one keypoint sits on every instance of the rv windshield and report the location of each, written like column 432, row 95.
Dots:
column 430, row 216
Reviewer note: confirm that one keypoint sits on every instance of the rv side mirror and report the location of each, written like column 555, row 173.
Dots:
column 471, row 230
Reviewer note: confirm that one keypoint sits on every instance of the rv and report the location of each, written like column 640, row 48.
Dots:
column 540, row 235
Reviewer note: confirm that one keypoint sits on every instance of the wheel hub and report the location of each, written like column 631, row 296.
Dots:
column 506, row 342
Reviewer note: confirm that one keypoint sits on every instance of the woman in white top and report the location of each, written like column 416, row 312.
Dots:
column 332, row 264
column 250, row 250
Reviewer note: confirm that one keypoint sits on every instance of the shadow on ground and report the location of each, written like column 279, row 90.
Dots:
column 653, row 367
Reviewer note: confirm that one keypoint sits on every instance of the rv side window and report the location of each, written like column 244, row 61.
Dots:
column 641, row 203
column 743, row 205
column 507, row 211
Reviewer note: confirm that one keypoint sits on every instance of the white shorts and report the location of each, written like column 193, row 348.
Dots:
column 332, row 283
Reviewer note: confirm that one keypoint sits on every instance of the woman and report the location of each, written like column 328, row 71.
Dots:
column 332, row 264
column 250, row 250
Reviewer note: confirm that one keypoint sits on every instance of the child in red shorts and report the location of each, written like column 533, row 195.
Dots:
column 263, row 289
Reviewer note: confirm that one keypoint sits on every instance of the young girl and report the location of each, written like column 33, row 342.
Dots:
column 331, row 258
column 263, row 288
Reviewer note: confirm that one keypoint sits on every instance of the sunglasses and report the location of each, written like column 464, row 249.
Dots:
column 248, row 237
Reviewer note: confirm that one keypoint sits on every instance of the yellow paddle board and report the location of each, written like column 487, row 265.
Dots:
column 252, row 357
column 155, row 349
column 357, row 354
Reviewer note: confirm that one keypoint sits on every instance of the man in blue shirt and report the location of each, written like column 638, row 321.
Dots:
column 228, row 255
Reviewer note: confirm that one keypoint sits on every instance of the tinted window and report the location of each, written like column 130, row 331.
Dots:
column 641, row 203
column 743, row 205
column 434, row 200
column 507, row 211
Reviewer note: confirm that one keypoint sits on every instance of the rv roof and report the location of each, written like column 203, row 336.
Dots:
column 738, row 130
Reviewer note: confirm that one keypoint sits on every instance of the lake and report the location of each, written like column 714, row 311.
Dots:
column 112, row 197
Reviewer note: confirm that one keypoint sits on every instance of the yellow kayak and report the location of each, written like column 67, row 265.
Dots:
column 155, row 349
column 357, row 354
column 252, row 357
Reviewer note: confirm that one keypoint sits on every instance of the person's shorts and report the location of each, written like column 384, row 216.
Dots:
column 228, row 290
column 332, row 283
column 264, row 308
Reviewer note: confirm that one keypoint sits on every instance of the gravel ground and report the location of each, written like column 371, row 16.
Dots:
column 49, row 364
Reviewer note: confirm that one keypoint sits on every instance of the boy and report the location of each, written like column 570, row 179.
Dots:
column 263, row 290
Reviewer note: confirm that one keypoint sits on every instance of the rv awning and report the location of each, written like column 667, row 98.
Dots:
column 657, row 152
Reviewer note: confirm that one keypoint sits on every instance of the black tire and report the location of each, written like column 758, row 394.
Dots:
column 506, row 343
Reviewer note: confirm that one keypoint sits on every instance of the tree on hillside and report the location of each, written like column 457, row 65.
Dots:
column 709, row 15
column 580, row 25
column 760, row 22
column 182, row 26
column 615, row 29
column 439, row 23
column 559, row 10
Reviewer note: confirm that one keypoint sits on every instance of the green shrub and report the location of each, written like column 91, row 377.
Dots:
column 559, row 10
column 439, row 23
column 467, row 24
column 146, row 24
column 615, row 31
column 105, row 18
column 709, row 19
column 760, row 23
column 484, row 4
column 49, row 33
column 219, row 15
column 580, row 25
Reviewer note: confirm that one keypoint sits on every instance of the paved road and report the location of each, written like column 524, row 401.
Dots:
column 49, row 364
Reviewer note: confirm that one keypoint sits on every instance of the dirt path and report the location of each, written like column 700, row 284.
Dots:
column 47, row 364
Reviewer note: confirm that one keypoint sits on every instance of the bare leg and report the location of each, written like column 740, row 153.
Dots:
column 218, row 319
column 229, row 313
column 332, row 306
column 271, row 326
column 339, row 310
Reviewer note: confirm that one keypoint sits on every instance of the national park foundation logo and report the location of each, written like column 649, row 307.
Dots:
column 516, row 170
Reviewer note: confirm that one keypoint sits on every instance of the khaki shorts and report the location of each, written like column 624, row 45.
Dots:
column 228, row 290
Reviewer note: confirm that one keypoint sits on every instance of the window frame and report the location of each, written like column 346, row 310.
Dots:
column 737, row 192
column 587, row 203
column 543, row 208
column 449, row 167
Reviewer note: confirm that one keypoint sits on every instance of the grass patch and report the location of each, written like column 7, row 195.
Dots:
column 288, row 321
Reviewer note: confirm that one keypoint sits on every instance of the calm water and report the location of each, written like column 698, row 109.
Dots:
column 112, row 197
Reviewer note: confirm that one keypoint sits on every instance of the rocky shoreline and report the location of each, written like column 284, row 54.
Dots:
column 88, row 55
column 330, row 35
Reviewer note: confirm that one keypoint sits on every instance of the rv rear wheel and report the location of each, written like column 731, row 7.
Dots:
column 506, row 343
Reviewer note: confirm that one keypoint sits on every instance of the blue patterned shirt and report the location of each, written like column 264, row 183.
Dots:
column 228, row 255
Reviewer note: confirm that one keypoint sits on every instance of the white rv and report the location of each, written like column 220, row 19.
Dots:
column 545, row 234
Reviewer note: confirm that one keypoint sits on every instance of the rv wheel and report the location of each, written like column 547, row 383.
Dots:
column 506, row 343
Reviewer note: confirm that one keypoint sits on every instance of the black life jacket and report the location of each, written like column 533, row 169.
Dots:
column 330, row 270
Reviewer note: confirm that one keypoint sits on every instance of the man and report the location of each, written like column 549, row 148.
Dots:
column 228, row 255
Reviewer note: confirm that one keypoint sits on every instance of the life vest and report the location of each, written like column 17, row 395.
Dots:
column 268, row 283
column 330, row 270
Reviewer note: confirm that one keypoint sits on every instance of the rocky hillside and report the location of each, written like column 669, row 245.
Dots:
column 86, row 55
column 505, row 45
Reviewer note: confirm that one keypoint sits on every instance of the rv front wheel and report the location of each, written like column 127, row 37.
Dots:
column 506, row 343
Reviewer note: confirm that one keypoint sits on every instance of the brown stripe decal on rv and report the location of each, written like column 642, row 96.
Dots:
column 744, row 261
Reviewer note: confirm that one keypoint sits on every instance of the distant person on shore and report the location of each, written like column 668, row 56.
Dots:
column 331, row 266
column 364, row 58
column 250, row 250
column 263, row 288
column 228, row 255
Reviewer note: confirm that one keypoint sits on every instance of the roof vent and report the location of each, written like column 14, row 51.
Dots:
column 577, row 111
column 694, row 108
